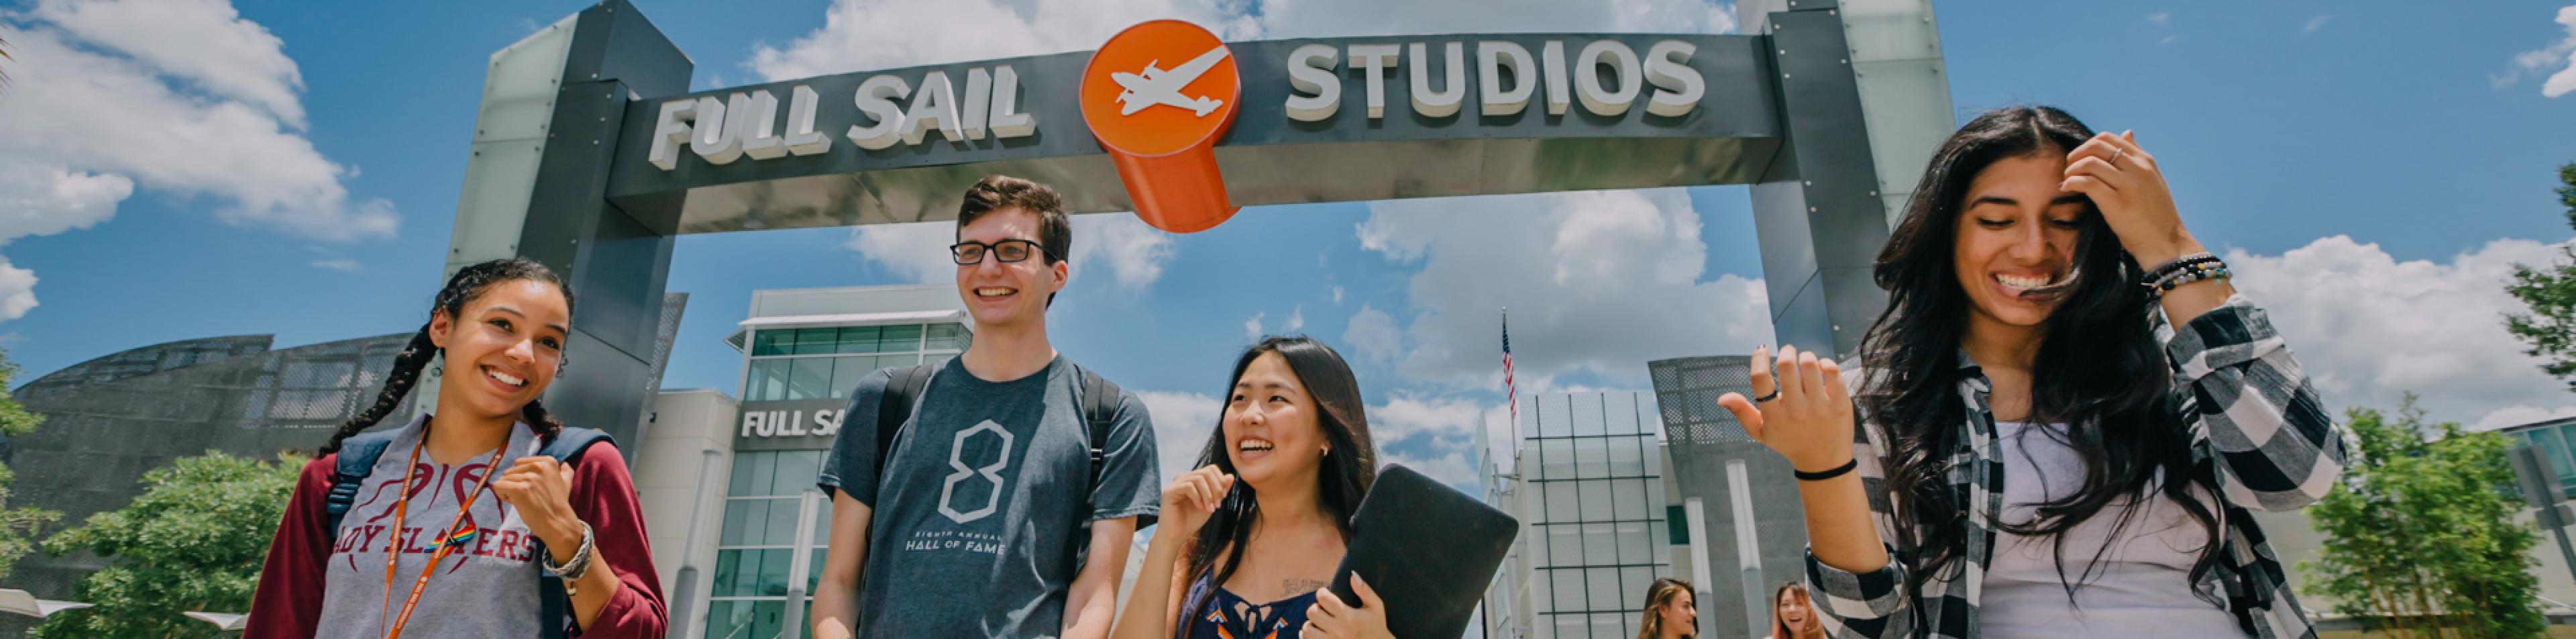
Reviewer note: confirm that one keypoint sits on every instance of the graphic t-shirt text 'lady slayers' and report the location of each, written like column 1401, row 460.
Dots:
column 496, row 564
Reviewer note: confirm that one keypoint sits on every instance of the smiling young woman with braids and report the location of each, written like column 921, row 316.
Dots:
column 556, row 550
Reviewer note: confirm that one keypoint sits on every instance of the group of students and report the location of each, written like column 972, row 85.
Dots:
column 2057, row 426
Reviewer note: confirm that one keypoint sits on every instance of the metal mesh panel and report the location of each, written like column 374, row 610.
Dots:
column 1686, row 391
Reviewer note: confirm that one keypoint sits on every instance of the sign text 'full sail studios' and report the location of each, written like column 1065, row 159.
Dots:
column 987, row 102
column 1172, row 80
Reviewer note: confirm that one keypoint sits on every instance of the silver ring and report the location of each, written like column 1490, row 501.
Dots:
column 2116, row 154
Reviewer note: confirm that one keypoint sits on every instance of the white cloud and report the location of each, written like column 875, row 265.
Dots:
column 1182, row 422
column 1252, row 327
column 1314, row 18
column 2558, row 60
column 1133, row 252
column 1372, row 334
column 860, row 35
column 182, row 97
column 102, row 109
column 1600, row 281
column 203, row 42
column 1337, row 295
column 2314, row 24
column 17, row 290
column 1296, row 319
column 2161, row 17
column 42, row 199
column 346, row 265
column 2368, row 328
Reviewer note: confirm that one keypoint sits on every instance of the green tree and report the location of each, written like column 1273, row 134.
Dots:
column 18, row 526
column 2424, row 535
column 193, row 541
column 2550, row 291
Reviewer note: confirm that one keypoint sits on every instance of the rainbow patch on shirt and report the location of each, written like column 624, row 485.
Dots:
column 462, row 537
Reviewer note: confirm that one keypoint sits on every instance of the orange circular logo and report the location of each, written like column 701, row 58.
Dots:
column 1159, row 88
column 1157, row 96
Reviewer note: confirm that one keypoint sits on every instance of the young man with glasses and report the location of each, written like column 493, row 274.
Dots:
column 993, row 495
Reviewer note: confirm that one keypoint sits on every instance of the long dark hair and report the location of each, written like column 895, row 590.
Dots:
column 467, row 284
column 1347, row 469
column 1658, row 597
column 2099, row 369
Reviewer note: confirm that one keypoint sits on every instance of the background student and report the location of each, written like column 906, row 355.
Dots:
column 454, row 529
column 1003, row 504
column 1250, row 538
column 1672, row 611
column 2066, row 412
column 1793, row 615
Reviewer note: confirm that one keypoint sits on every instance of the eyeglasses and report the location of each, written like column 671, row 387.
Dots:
column 970, row 252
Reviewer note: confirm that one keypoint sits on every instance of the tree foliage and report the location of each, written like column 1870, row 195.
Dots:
column 193, row 541
column 2424, row 537
column 18, row 526
column 2550, row 292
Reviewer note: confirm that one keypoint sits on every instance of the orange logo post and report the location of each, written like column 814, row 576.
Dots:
column 1158, row 95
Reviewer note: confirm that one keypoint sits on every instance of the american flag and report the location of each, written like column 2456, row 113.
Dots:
column 1510, row 390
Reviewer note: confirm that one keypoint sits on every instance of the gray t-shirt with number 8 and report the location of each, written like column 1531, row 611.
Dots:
column 977, row 518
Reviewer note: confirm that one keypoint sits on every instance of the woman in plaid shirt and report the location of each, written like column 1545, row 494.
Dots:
column 2046, row 447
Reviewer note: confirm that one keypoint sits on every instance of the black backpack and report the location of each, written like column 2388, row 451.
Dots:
column 1099, row 411
column 357, row 458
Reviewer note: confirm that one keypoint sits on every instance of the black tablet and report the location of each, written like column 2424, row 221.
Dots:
column 1428, row 550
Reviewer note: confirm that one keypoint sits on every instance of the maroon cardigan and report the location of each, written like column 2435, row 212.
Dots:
column 288, row 603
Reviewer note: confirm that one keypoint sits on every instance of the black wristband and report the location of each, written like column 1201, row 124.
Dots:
column 1830, row 474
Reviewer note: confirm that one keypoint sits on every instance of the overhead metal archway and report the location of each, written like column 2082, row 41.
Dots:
column 588, row 156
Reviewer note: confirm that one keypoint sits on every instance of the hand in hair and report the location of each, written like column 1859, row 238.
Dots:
column 2123, row 181
column 1329, row 617
column 1194, row 496
column 1810, row 422
column 541, row 488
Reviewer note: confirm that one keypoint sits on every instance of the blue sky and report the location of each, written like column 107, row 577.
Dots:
column 2376, row 166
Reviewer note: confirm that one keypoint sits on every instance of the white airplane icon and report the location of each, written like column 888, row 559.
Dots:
column 1158, row 86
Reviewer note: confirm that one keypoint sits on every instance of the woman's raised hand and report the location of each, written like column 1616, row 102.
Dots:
column 1193, row 496
column 1809, row 421
column 2123, row 181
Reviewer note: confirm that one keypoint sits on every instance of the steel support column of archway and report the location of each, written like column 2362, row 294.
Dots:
column 536, row 187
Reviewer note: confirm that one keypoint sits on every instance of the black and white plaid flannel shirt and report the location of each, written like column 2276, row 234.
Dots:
column 2259, row 438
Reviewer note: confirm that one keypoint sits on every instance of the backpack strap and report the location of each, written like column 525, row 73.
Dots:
column 1100, row 410
column 554, row 605
column 1099, row 401
column 355, row 460
column 895, row 406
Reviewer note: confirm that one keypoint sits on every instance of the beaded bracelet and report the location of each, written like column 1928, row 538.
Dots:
column 2212, row 270
column 2167, row 269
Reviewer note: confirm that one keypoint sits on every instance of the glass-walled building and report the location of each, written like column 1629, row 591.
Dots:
column 823, row 362
column 2552, row 437
column 756, row 526
column 1589, row 489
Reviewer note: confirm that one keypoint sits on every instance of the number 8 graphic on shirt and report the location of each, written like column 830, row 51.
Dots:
column 993, row 472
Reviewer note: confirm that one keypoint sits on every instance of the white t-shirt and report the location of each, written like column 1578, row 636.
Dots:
column 2141, row 588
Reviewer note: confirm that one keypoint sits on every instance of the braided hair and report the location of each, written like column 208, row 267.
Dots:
column 468, row 283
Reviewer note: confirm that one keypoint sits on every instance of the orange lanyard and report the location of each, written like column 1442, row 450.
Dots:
column 446, row 538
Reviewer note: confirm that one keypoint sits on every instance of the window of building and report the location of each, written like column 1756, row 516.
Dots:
column 766, row 531
column 1594, row 503
column 824, row 363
